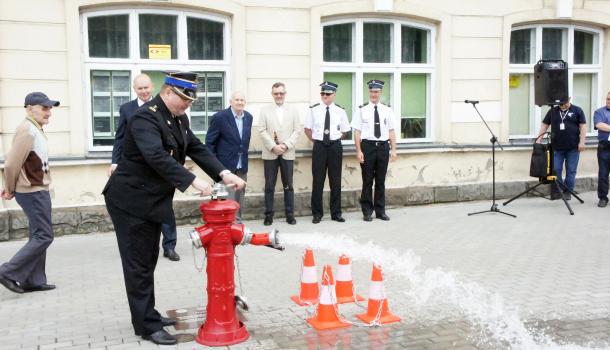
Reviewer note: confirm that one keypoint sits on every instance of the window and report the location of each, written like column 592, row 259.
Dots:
column 118, row 45
column 398, row 52
column 578, row 46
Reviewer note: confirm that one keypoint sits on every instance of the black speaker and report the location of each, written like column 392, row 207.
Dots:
column 551, row 82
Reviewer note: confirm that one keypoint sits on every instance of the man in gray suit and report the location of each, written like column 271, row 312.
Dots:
column 279, row 128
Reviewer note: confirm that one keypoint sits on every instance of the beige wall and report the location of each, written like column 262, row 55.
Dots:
column 40, row 49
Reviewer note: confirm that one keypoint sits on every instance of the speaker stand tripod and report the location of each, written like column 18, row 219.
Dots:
column 556, row 185
column 494, row 206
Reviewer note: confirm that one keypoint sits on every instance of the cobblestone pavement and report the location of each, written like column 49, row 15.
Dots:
column 489, row 281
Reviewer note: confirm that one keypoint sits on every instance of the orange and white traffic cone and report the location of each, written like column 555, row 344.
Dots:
column 326, row 316
column 310, row 291
column 378, row 311
column 345, row 285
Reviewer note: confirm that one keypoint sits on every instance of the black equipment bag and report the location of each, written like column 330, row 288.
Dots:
column 539, row 166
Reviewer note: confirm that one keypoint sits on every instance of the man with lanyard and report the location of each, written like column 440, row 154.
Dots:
column 325, row 126
column 568, row 132
column 601, row 120
column 373, row 126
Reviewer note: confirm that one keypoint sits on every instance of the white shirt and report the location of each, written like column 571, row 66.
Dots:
column 364, row 120
column 279, row 112
column 316, row 117
column 141, row 102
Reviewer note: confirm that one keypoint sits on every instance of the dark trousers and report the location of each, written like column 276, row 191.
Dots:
column 138, row 242
column 603, row 161
column 374, row 168
column 239, row 195
column 169, row 234
column 326, row 158
column 286, row 167
column 28, row 265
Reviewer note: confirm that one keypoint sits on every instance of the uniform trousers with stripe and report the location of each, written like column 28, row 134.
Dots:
column 326, row 158
column 374, row 169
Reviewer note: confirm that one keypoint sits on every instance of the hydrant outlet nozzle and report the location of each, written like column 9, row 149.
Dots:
column 274, row 240
column 195, row 239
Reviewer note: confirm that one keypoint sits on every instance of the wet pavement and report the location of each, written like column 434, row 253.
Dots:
column 538, row 281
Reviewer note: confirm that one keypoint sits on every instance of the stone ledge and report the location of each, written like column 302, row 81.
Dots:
column 94, row 218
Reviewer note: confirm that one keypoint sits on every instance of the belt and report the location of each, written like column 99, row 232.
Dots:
column 376, row 143
column 331, row 141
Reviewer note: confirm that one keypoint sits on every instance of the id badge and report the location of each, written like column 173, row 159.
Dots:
column 562, row 126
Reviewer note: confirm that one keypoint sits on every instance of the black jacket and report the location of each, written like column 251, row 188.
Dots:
column 151, row 167
column 126, row 111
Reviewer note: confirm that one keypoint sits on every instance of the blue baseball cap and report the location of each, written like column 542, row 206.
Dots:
column 39, row 98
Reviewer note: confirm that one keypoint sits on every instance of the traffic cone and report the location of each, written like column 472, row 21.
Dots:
column 310, row 291
column 326, row 316
column 378, row 310
column 345, row 285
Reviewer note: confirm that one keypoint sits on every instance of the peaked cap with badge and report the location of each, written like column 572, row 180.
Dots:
column 182, row 83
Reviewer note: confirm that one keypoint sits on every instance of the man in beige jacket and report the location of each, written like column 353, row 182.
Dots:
column 27, row 178
column 279, row 127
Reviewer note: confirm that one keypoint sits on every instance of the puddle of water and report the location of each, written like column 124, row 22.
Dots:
column 428, row 288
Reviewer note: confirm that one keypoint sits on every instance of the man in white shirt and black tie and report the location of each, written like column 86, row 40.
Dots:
column 373, row 125
column 325, row 126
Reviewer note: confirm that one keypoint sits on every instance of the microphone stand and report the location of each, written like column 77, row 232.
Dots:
column 493, row 140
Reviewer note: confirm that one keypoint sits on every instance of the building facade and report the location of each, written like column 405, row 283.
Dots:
column 432, row 54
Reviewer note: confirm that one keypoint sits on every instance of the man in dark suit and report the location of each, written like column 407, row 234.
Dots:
column 143, row 87
column 139, row 193
column 228, row 138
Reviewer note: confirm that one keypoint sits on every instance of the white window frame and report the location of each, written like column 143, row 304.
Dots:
column 595, row 68
column 136, row 65
column 358, row 68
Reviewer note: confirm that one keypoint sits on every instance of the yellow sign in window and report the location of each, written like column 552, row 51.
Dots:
column 514, row 81
column 159, row 52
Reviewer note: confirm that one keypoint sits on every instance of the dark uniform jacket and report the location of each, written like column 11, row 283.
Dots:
column 151, row 168
column 126, row 111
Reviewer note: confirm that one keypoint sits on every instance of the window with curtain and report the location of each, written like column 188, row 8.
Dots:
column 529, row 44
column 396, row 52
column 117, row 45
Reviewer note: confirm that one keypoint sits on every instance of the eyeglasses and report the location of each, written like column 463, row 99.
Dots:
column 326, row 93
column 279, row 93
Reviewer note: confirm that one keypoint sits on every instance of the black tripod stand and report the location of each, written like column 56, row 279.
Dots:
column 493, row 140
column 551, row 178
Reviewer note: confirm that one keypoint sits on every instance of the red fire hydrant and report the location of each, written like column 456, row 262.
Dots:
column 218, row 237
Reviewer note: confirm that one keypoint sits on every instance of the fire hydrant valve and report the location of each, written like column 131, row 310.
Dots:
column 218, row 237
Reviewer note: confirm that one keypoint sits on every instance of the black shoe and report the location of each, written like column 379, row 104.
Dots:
column 166, row 321
column 291, row 220
column 161, row 337
column 41, row 288
column 316, row 219
column 383, row 217
column 268, row 221
column 368, row 218
column 171, row 255
column 338, row 218
column 11, row 285
column 555, row 196
column 602, row 202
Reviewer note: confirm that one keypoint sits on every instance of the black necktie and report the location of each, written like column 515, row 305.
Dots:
column 377, row 124
column 326, row 137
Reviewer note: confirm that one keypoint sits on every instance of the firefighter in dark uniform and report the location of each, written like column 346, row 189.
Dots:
column 325, row 126
column 375, row 139
column 140, row 191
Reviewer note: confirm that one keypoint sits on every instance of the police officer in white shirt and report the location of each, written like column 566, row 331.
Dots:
column 373, row 125
column 325, row 126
